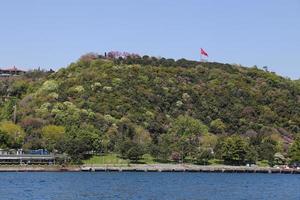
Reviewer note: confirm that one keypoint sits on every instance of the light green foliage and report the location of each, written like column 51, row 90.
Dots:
column 96, row 86
column 18, row 88
column 110, row 119
column 68, row 112
column 49, row 86
column 217, row 126
column 187, row 126
column 79, row 89
column 53, row 95
column 44, row 109
column 52, row 135
column 186, row 133
column 208, row 141
column 116, row 81
column 141, row 136
column 7, row 109
column 14, row 132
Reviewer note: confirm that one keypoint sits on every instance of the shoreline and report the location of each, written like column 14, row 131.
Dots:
column 149, row 168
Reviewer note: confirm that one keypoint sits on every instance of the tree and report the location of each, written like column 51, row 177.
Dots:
column 132, row 139
column 131, row 150
column 234, row 150
column 52, row 135
column 110, row 139
column 76, row 148
column 188, row 126
column 14, row 132
column 162, row 150
column 251, row 155
column 7, row 109
column 135, row 153
column 279, row 159
column 4, row 140
column 203, row 155
column 265, row 144
column 186, row 133
column 294, row 151
column 267, row 149
column 81, row 141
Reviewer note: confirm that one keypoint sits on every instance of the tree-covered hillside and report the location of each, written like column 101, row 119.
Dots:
column 173, row 110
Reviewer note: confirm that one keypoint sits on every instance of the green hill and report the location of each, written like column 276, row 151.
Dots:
column 171, row 109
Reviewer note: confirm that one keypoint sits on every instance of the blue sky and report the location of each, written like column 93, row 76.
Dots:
column 54, row 33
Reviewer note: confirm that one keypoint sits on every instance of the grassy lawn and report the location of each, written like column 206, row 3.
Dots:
column 114, row 159
column 215, row 162
column 106, row 159
column 263, row 163
column 147, row 159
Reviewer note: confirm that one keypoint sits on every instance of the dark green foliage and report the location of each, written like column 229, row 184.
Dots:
column 80, row 141
column 203, row 155
column 162, row 150
column 234, row 150
column 4, row 140
column 266, row 148
column 131, row 150
column 294, row 151
column 135, row 153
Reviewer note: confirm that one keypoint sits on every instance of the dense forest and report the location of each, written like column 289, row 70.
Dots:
column 174, row 110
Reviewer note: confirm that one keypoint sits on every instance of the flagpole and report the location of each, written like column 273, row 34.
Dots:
column 203, row 55
column 201, row 59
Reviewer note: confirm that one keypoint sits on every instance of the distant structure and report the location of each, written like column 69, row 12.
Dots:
column 13, row 156
column 119, row 54
column 13, row 71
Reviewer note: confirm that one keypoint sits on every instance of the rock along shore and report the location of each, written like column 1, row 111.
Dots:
column 147, row 168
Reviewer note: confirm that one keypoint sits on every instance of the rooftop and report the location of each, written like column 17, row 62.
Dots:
column 11, row 69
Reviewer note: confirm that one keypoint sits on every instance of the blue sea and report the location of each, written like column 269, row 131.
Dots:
column 150, row 186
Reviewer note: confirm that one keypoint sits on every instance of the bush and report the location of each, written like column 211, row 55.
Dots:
column 135, row 153
column 203, row 155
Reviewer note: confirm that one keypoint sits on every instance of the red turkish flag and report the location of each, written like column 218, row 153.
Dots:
column 202, row 52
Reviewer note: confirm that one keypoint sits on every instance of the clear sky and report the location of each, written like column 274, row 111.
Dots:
column 54, row 33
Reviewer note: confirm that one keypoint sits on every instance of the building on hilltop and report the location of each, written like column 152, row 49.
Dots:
column 13, row 71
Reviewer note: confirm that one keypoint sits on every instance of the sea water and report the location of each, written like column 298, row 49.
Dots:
column 147, row 185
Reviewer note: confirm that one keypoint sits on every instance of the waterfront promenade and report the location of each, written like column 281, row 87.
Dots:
column 147, row 168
